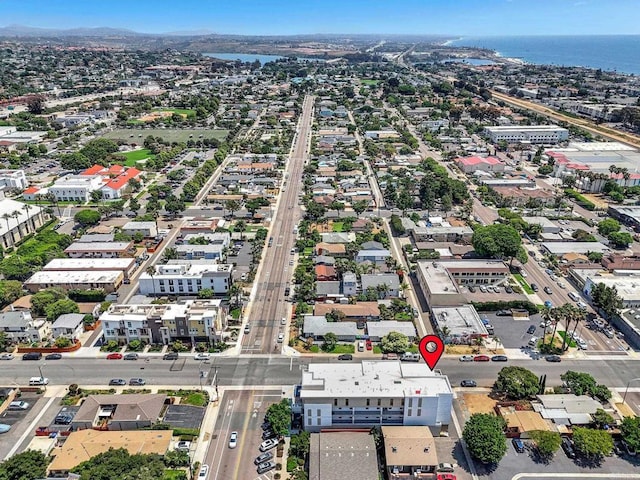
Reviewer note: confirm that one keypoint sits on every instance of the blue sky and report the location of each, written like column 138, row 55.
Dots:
column 457, row 17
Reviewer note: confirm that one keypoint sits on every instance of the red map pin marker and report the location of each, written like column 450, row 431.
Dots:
column 431, row 348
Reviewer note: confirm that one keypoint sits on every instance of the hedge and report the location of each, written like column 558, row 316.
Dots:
column 494, row 306
column 81, row 296
column 580, row 199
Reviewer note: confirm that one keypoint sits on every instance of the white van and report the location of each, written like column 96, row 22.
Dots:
column 36, row 381
column 533, row 341
column 573, row 296
column 361, row 346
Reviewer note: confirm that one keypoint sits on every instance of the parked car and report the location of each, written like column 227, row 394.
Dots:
column 508, row 289
column 531, row 329
column 518, row 445
column 263, row 458
column 4, row 428
column 553, row 358
column 114, row 356
column 233, row 440
column 183, row 446
column 18, row 405
column 481, row 358
column 548, row 290
column 445, row 467
column 6, row 356
column 204, row 472
column 466, row 358
column 483, row 289
column 268, row 444
column 499, row 358
column 53, row 356
column 468, row 383
column 345, row 356
column 170, row 356
column 117, row 381
column 503, row 313
column 389, row 356
column 446, row 476
column 265, row 425
column 63, row 419
column 139, row 382
column 131, row 356
column 202, row 356
column 265, row 467
column 247, row 328
column 32, row 356
column 567, row 446
column 534, row 287
column 369, row 345
column 472, row 289
column 268, row 434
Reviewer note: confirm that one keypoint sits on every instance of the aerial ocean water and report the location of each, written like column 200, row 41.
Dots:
column 619, row 53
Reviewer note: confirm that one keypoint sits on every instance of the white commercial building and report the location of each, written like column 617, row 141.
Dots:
column 126, row 265
column 107, row 280
column 148, row 229
column 18, row 220
column 549, row 134
column 626, row 282
column 373, row 393
column 13, row 179
column 186, row 279
column 76, row 188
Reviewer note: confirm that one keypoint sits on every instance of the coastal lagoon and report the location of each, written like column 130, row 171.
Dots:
column 245, row 57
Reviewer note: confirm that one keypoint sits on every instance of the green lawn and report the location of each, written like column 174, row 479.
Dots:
column 174, row 475
column 369, row 81
column 179, row 111
column 137, row 135
column 308, row 251
column 235, row 313
column 377, row 349
column 523, row 283
column 570, row 341
column 338, row 226
column 136, row 155
column 196, row 398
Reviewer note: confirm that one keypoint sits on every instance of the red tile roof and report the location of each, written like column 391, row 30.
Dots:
column 122, row 180
column 477, row 160
column 32, row 190
column 94, row 170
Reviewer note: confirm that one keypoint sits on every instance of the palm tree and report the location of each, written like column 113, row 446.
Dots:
column 496, row 341
column 240, row 226
column 6, row 217
column 26, row 207
column 16, row 214
column 151, row 271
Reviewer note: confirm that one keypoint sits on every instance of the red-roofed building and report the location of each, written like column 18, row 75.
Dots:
column 485, row 164
column 31, row 192
column 115, row 186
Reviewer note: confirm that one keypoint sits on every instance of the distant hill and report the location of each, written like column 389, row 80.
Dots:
column 25, row 31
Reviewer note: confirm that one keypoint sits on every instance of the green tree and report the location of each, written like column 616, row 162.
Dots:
column 61, row 307
column 42, row 299
column 299, row 446
column 497, row 241
column 484, row 435
column 517, row 383
column 10, row 291
column 330, row 341
column 279, row 416
column 205, row 293
column 134, row 205
column 28, row 465
column 630, row 429
column 608, row 226
column 592, row 443
column 601, row 419
column 394, row 342
column 621, row 239
column 606, row 298
column 3, row 341
column 546, row 442
column 87, row 218
column 62, row 342
column 580, row 383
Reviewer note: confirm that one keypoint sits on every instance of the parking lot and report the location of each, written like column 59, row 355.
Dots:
column 514, row 463
column 511, row 332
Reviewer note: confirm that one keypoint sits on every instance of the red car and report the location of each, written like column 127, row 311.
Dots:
column 446, row 476
column 369, row 346
column 114, row 356
column 481, row 358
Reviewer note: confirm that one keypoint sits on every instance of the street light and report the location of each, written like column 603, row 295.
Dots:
column 626, row 390
column 41, row 375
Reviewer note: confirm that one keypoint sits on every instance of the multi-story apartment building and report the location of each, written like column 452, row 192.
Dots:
column 13, row 179
column 191, row 321
column 174, row 279
column 373, row 393
column 549, row 134
column 100, row 249
column 18, row 221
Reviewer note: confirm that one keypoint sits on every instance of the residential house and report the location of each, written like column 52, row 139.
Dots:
column 20, row 327
column 325, row 273
column 385, row 284
column 349, row 284
column 377, row 330
column 147, row 229
column 316, row 327
column 356, row 311
column 186, row 279
column 331, row 249
column 100, row 250
column 342, row 455
column 377, row 257
column 410, row 452
column 119, row 412
column 69, row 325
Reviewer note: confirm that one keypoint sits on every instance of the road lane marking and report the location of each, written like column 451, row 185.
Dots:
column 242, row 432
column 31, row 428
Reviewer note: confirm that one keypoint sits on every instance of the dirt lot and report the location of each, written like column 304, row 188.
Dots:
column 478, row 403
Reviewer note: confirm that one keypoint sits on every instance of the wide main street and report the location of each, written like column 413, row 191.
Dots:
column 256, row 370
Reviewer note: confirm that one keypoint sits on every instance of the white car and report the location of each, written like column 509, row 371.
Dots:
column 6, row 356
column 233, row 440
column 268, row 444
column 561, row 285
column 202, row 356
column 280, row 337
column 204, row 471
column 466, row 358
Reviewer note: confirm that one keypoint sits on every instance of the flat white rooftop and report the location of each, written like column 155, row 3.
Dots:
column 98, row 247
column 374, row 378
column 89, row 264
column 74, row 276
column 461, row 321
